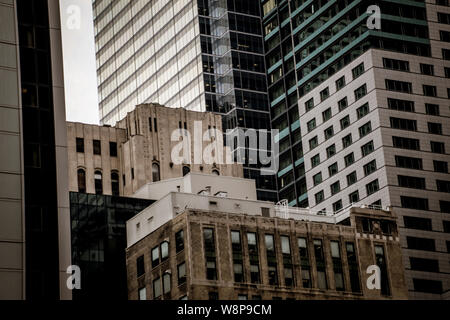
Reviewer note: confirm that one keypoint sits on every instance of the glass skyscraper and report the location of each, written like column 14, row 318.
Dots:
column 200, row 55
column 363, row 114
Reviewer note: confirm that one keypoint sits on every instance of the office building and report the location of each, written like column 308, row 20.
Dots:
column 206, row 243
column 34, row 196
column 199, row 55
column 373, row 109
column 120, row 160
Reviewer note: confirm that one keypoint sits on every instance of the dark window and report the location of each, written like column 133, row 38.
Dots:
column 150, row 124
column 369, row 168
column 81, row 180
column 367, row 148
column 155, row 124
column 440, row 166
column 353, row 197
column 340, row 83
column 358, row 70
column 343, row 104
column 140, row 267
column 414, row 203
column 98, row 182
column 417, row 223
column 427, row 286
column 186, row 170
column 411, row 182
column 326, row 115
column 400, row 86
column 181, row 271
column 360, row 92
column 429, row 91
column 347, row 140
column 210, row 253
column 444, row 206
column 352, row 178
column 328, row 132
column 401, row 105
column 349, row 159
column 434, row 128
column 319, row 197
column 337, row 206
column 403, row 124
column 437, row 147
column 80, row 145
column 420, row 244
column 363, row 110
column 115, row 183
column 408, row 162
column 113, row 149
column 97, row 148
column 335, row 187
column 315, row 161
column 317, row 178
column 353, row 266
column 381, row 263
column 406, row 143
column 311, row 124
column 365, row 129
column 331, row 150
column 324, row 94
column 372, row 187
column 427, row 69
column 394, row 64
column 304, row 262
column 313, row 143
column 309, row 104
column 443, row 186
column 179, row 241
column 345, row 122
column 432, row 109
column 337, row 265
column 320, row 265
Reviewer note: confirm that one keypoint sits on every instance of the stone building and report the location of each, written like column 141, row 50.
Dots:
column 227, row 248
column 119, row 160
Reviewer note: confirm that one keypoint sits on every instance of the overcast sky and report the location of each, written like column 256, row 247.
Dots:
column 80, row 77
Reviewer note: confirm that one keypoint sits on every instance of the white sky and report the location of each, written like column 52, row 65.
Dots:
column 80, row 78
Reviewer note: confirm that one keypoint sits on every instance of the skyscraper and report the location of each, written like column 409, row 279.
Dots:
column 34, row 197
column 372, row 104
column 200, row 55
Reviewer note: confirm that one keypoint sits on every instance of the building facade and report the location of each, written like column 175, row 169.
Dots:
column 253, row 252
column 34, row 198
column 199, row 55
column 120, row 160
column 373, row 106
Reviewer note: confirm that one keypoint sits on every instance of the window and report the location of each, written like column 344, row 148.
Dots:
column 304, row 262
column 112, row 149
column 309, row 104
column 353, row 197
column 98, row 182
column 393, row 64
column 337, row 265
column 401, row 105
column 181, row 271
column 320, row 264
column 210, row 253
column 421, row 264
column 156, row 288
column 365, row 129
column 349, row 159
column 335, row 188
column 411, row 182
column 179, row 241
column 81, row 174
column 429, row 91
column 115, row 183
column 381, row 263
column 420, row 244
column 362, row 111
column 352, row 178
column 331, row 150
column 399, row 86
column 155, row 257
column 360, row 92
column 155, row 172
column 434, row 128
column 444, row 35
column 142, row 294
column 432, row 109
column 358, row 70
column 164, row 251
column 333, row 169
column 324, row 94
column 437, row 147
column 186, row 170
column 326, row 115
column 155, row 125
column 372, row 187
column 237, row 256
column 319, row 197
column 403, row 124
column 414, row 203
column 311, row 124
column 150, row 124
column 408, row 162
column 166, row 283
column 271, row 259
column 444, row 206
column 345, row 122
column 443, row 186
column 443, row 17
column 406, row 143
column 317, row 178
column 337, row 206
column 80, row 145
column 367, row 148
column 340, row 83
column 353, row 266
column 446, row 54
column 417, row 223
column 427, row 69
column 347, row 141
column 328, row 132
column 369, row 168
column 428, row 286
column 315, row 161
column 343, row 104
column 97, row 148
column 140, row 267
column 314, row 142
column 440, row 166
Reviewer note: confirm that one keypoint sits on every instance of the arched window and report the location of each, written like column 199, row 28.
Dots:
column 216, row 172
column 186, row 170
column 81, row 181
column 114, row 183
column 98, row 182
column 155, row 172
